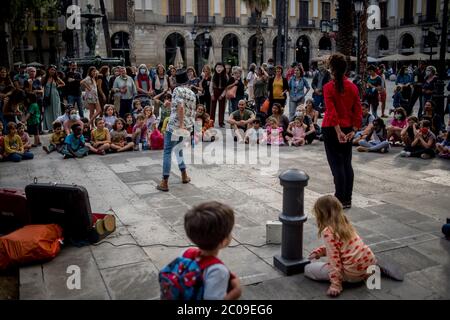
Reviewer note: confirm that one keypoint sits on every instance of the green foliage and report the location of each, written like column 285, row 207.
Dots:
column 258, row 5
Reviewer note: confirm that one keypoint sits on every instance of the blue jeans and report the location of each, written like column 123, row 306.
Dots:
column 17, row 157
column 76, row 99
column 319, row 103
column 374, row 146
column 167, row 155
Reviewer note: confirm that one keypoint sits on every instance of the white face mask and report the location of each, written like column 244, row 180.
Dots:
column 299, row 114
column 142, row 71
column 74, row 117
column 427, row 73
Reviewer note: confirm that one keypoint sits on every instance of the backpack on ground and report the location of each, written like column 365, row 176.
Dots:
column 182, row 279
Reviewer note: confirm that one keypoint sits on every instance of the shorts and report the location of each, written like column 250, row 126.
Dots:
column 383, row 96
column 33, row 129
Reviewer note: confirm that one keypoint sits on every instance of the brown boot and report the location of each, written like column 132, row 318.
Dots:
column 184, row 177
column 163, row 185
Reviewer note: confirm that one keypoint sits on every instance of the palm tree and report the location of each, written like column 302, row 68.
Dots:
column 132, row 27
column 258, row 6
column 106, row 29
column 344, row 40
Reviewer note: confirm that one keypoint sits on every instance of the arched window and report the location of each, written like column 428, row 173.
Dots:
column 120, row 46
column 252, row 47
column 325, row 44
column 230, row 50
column 407, row 42
column 383, row 43
column 202, row 44
column 174, row 41
column 302, row 52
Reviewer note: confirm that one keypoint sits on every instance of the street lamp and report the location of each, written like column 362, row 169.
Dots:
column 359, row 6
column 431, row 38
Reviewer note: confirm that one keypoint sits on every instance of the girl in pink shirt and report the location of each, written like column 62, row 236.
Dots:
column 348, row 257
column 397, row 124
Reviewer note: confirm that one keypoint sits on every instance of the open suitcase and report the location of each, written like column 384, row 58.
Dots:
column 14, row 212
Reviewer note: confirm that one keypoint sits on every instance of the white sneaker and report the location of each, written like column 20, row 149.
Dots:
column 405, row 154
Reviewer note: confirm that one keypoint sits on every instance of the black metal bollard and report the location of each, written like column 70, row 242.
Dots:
column 291, row 260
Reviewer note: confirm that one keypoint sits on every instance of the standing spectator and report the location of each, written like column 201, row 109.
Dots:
column 13, row 108
column 127, row 88
column 429, row 88
column 144, row 83
column 342, row 119
column 114, row 97
column 235, row 85
column 321, row 78
column 52, row 101
column 218, row 85
column 373, row 86
column 91, row 94
column 270, row 68
column 194, row 81
column 419, row 79
column 291, row 71
column 205, row 83
column 73, row 90
column 103, row 86
column 6, row 86
column 250, row 81
column 404, row 79
column 278, row 89
column 260, row 88
column 161, row 80
column 21, row 78
column 298, row 89
column 172, row 78
column 382, row 91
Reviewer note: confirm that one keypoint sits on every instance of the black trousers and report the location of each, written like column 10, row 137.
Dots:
column 339, row 156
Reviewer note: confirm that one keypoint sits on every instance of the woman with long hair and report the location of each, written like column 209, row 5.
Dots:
column 205, row 82
column 103, row 86
column 161, row 80
column 278, row 89
column 52, row 100
column 217, row 89
column 341, row 121
column 91, row 95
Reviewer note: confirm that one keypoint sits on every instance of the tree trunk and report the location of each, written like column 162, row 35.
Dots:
column 344, row 40
column 106, row 29
column 363, row 45
column 280, row 23
column 38, row 22
column 132, row 27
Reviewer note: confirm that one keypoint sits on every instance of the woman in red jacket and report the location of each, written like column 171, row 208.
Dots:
column 342, row 118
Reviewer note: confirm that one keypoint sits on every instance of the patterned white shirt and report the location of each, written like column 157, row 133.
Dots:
column 184, row 96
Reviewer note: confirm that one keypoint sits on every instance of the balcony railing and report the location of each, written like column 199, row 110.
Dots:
column 406, row 21
column 427, row 19
column 175, row 19
column 205, row 20
column 264, row 22
column 309, row 24
column 231, row 20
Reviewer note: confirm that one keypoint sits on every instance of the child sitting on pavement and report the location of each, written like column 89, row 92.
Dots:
column 100, row 137
column 74, row 144
column 119, row 137
column 57, row 139
column 14, row 150
column 255, row 134
column 444, row 147
column 209, row 226
column 110, row 116
column 376, row 140
column 140, row 133
column 26, row 141
column 137, row 109
column 296, row 132
column 423, row 145
column 399, row 122
column 274, row 132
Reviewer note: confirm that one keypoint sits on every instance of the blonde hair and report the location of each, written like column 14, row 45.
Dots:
column 329, row 213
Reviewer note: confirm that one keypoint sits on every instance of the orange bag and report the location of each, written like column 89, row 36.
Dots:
column 32, row 243
column 265, row 106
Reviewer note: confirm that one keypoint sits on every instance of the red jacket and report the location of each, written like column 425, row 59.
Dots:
column 343, row 109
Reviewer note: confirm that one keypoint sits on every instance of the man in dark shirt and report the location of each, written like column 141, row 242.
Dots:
column 419, row 79
column 73, row 88
column 321, row 78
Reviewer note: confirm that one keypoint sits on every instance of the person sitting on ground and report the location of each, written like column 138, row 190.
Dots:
column 74, row 117
column 313, row 115
column 57, row 139
column 100, row 137
column 366, row 124
column 255, row 134
column 424, row 142
column 209, row 227
column 150, row 118
column 26, row 141
column 274, row 132
column 444, row 147
column 399, row 122
column 297, row 131
column 409, row 132
column 431, row 115
column 156, row 138
column 162, row 108
column 129, row 124
column 14, row 150
column 239, row 120
column 140, row 133
column 74, row 144
column 348, row 257
column 203, row 121
column 110, row 116
column 119, row 137
column 137, row 108
column 376, row 140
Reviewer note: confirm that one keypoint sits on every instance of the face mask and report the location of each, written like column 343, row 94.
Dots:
column 398, row 116
column 299, row 114
column 74, row 117
column 427, row 73
column 424, row 131
column 142, row 71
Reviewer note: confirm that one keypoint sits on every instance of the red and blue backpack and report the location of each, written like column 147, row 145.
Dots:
column 182, row 279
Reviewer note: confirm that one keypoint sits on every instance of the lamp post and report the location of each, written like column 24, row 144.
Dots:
column 431, row 38
column 359, row 6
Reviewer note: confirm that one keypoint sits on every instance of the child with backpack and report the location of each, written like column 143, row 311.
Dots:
column 198, row 274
